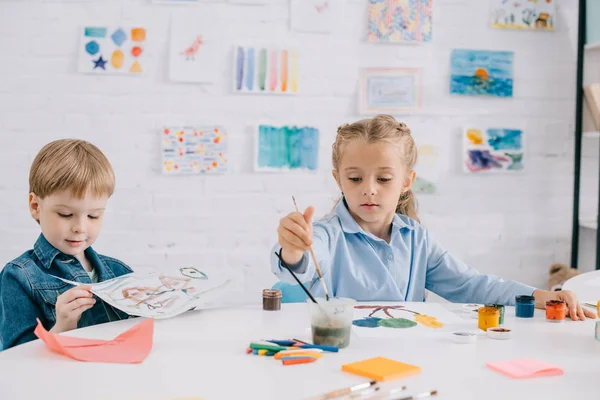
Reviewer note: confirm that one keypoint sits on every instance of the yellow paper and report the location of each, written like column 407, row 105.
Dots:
column 381, row 369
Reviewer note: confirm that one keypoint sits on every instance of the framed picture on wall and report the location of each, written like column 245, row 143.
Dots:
column 390, row 90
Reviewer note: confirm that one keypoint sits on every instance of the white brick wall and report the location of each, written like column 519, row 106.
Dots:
column 514, row 226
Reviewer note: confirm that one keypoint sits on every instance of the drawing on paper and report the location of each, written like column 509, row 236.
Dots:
column 524, row 14
column 112, row 50
column 493, row 150
column 194, row 150
column 160, row 295
column 261, row 70
column 400, row 21
column 286, row 148
column 428, row 168
column 481, row 73
column 194, row 55
column 370, row 321
column 316, row 16
column 390, row 90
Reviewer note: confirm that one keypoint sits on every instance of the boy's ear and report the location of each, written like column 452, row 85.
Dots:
column 337, row 178
column 410, row 179
column 34, row 206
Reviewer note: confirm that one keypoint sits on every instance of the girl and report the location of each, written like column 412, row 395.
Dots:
column 372, row 247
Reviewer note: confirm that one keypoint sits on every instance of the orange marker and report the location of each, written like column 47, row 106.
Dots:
column 297, row 360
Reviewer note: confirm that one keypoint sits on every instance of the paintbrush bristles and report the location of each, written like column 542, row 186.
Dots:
column 314, row 258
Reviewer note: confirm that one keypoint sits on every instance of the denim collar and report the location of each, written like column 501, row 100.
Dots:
column 46, row 253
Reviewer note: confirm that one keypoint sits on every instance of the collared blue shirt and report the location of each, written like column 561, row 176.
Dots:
column 27, row 291
column 361, row 266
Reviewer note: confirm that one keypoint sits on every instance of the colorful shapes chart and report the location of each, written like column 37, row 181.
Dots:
column 261, row 70
column 112, row 50
column 286, row 148
column 194, row 150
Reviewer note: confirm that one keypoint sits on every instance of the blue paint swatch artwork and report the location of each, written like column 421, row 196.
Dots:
column 481, row 73
column 284, row 148
column 493, row 150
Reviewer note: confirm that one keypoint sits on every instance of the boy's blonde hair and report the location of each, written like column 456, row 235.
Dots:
column 73, row 165
column 381, row 128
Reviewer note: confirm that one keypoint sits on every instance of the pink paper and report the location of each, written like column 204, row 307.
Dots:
column 130, row 347
column 525, row 368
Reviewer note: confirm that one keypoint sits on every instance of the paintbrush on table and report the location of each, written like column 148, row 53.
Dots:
column 417, row 396
column 314, row 258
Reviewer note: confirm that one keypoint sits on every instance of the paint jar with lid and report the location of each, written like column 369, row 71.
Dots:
column 556, row 311
column 489, row 317
column 500, row 308
column 271, row 299
column 525, row 306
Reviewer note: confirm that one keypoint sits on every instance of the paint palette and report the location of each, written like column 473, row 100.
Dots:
column 263, row 70
column 112, row 50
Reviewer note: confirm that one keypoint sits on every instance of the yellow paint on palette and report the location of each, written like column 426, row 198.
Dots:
column 294, row 72
column 428, row 321
column 135, row 67
column 117, row 59
column 138, row 34
column 475, row 136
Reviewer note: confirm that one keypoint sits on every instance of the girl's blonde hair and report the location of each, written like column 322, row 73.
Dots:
column 73, row 165
column 381, row 128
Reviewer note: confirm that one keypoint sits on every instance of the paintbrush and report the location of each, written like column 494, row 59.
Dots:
column 312, row 253
column 417, row 396
column 283, row 263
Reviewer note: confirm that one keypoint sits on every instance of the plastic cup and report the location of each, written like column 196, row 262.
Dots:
column 331, row 321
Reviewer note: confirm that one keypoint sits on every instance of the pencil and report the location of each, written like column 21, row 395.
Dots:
column 314, row 258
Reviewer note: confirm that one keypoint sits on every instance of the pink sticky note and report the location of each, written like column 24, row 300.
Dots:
column 525, row 368
column 130, row 347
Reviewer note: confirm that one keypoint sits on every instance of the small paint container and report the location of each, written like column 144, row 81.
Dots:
column 464, row 337
column 598, row 331
column 271, row 299
column 598, row 308
column 500, row 308
column 525, row 306
column 556, row 311
column 499, row 333
column 489, row 317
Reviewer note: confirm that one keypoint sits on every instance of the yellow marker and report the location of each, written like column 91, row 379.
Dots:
column 306, row 354
column 262, row 352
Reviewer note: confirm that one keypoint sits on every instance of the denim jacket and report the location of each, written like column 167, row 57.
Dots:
column 27, row 291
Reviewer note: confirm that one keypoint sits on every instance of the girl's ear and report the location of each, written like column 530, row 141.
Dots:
column 409, row 180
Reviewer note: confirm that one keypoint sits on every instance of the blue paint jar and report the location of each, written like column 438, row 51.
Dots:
column 525, row 306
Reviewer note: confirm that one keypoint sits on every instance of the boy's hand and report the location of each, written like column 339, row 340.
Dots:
column 575, row 311
column 69, row 307
column 295, row 235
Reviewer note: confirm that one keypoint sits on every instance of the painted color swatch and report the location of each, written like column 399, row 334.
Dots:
column 400, row 21
column 493, row 150
column 194, row 150
column 262, row 70
column 481, row 73
column 112, row 50
column 287, row 147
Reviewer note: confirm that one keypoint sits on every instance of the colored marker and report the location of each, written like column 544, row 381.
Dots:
column 297, row 360
column 331, row 349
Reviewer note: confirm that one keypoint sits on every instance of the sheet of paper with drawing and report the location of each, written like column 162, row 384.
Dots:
column 161, row 294
column 391, row 320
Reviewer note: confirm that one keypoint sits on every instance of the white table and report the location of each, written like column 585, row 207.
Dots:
column 202, row 353
column 586, row 286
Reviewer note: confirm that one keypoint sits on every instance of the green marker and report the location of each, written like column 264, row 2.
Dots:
column 266, row 346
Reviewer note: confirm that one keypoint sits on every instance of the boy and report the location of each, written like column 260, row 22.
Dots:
column 70, row 182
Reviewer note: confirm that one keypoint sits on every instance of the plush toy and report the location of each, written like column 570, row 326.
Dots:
column 559, row 274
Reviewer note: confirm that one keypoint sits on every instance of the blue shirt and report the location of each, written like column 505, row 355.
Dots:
column 27, row 291
column 361, row 266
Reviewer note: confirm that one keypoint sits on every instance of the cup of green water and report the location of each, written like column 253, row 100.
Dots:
column 331, row 321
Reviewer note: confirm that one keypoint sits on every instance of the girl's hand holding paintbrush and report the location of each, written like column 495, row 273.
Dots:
column 295, row 235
